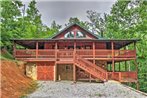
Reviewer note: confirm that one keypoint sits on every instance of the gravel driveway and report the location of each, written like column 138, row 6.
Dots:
column 68, row 89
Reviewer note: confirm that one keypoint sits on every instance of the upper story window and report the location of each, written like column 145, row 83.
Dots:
column 78, row 34
column 69, row 34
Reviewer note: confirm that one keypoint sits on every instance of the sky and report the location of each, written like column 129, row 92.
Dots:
column 62, row 10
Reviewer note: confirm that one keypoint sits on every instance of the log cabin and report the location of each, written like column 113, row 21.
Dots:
column 75, row 54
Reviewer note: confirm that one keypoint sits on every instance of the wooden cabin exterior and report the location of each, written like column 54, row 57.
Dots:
column 77, row 54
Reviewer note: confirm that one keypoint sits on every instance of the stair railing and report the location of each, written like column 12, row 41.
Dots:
column 101, row 73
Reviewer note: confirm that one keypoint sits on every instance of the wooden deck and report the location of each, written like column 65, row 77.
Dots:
column 81, row 59
column 52, row 54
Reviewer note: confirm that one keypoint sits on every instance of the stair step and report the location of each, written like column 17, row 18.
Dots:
column 94, row 72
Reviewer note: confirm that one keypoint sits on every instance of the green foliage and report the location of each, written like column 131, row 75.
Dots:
column 128, row 19
column 55, row 26
column 73, row 20
column 15, row 23
column 9, row 21
column 33, row 19
column 6, row 55
column 97, row 22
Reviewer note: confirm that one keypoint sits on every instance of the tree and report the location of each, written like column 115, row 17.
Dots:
column 10, row 14
column 97, row 22
column 55, row 26
column 73, row 20
column 128, row 19
column 33, row 20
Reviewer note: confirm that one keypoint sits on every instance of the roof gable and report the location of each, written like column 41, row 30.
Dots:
column 74, row 31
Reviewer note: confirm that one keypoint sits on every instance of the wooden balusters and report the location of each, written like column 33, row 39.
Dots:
column 36, row 49
column 113, row 63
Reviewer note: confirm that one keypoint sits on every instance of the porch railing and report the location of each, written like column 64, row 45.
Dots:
column 123, row 76
column 85, row 53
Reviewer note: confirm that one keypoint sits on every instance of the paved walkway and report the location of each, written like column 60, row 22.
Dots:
column 67, row 89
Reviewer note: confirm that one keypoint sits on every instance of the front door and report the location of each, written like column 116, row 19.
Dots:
column 65, row 72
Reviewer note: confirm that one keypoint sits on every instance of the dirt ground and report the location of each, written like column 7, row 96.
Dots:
column 13, row 79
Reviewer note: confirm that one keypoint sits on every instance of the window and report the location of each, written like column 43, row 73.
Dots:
column 68, row 68
column 69, row 35
column 80, row 34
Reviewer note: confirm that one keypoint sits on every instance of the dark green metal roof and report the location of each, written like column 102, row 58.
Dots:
column 78, row 39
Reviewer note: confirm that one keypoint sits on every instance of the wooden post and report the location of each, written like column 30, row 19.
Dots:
column 74, row 66
column 119, row 76
column 110, row 67
column 90, row 77
column 113, row 63
column 126, row 66
column 14, row 49
column 125, row 61
column 55, row 67
column 37, row 49
column 93, row 52
column 74, row 72
column 137, row 84
column 74, row 49
column 119, row 66
column 56, row 51
column 135, row 61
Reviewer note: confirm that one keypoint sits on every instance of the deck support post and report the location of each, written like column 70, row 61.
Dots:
column 125, row 65
column 74, row 66
column 55, row 67
column 137, row 85
column 110, row 67
column 37, row 49
column 135, row 61
column 14, row 49
column 113, row 63
column 90, row 77
column 55, row 72
column 125, row 61
column 119, row 66
column 93, row 52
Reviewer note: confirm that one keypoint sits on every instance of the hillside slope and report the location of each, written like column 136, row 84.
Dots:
column 13, row 80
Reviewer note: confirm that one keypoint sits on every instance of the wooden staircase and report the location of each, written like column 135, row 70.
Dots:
column 91, row 68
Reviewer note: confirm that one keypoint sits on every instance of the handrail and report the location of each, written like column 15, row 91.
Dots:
column 85, row 53
column 100, row 71
column 123, row 76
column 64, row 54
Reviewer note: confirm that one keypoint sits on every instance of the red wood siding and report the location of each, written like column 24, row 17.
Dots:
column 49, row 45
column 100, row 45
column 45, row 70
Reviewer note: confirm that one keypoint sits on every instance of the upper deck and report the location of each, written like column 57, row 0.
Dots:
column 72, row 40
column 68, row 54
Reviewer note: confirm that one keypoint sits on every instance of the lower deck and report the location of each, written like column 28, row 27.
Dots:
column 62, row 71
